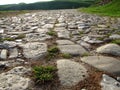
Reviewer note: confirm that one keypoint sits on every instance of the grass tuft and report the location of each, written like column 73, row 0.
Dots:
column 111, row 9
column 44, row 73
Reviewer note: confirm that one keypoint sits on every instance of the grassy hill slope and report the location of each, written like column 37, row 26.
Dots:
column 110, row 9
column 57, row 4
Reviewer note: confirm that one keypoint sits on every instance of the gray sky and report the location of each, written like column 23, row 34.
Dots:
column 2, row 2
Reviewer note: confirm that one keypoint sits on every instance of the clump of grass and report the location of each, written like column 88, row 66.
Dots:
column 8, row 39
column 20, row 36
column 101, row 38
column 44, row 73
column 52, row 52
column 116, row 41
column 81, row 32
column 53, row 49
column 86, row 54
column 66, row 55
column 108, row 34
column 52, row 33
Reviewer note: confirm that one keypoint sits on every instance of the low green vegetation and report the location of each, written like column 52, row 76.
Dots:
column 86, row 54
column 116, row 41
column 110, row 9
column 52, row 52
column 20, row 36
column 44, row 73
column 53, row 49
column 7, row 39
column 81, row 32
column 66, row 55
column 50, row 5
column 52, row 33
column 6, row 13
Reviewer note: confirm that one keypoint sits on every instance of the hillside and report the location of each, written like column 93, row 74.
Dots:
column 57, row 4
column 110, row 9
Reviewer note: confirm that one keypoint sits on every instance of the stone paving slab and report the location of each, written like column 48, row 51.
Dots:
column 72, row 49
column 70, row 72
column 64, row 42
column 109, row 64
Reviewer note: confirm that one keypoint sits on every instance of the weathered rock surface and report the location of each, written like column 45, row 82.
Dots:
column 37, row 37
column 64, row 34
column 13, row 53
column 72, row 49
column 114, row 36
column 110, row 49
column 25, row 37
column 104, row 63
column 35, row 50
column 3, row 54
column 109, row 83
column 12, row 80
column 64, row 42
column 10, row 63
column 70, row 72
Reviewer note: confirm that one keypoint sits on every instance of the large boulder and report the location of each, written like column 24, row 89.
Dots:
column 70, row 72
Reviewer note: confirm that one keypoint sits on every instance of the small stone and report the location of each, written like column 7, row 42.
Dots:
column 1, row 31
column 10, row 44
column 118, row 78
column 13, row 53
column 4, row 54
column 114, row 36
column 61, row 25
column 48, row 26
column 20, row 70
column 102, row 26
column 84, row 44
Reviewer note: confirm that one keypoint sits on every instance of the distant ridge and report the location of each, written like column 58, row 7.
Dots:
column 51, row 5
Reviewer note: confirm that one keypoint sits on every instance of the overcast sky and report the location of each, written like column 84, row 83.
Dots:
column 2, row 2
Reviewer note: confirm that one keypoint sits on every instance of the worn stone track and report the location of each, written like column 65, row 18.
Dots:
column 24, row 39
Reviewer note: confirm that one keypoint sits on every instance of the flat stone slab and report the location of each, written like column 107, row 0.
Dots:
column 109, row 64
column 110, row 49
column 64, row 42
column 63, row 34
column 72, row 49
column 70, row 72
column 37, row 37
column 35, row 50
